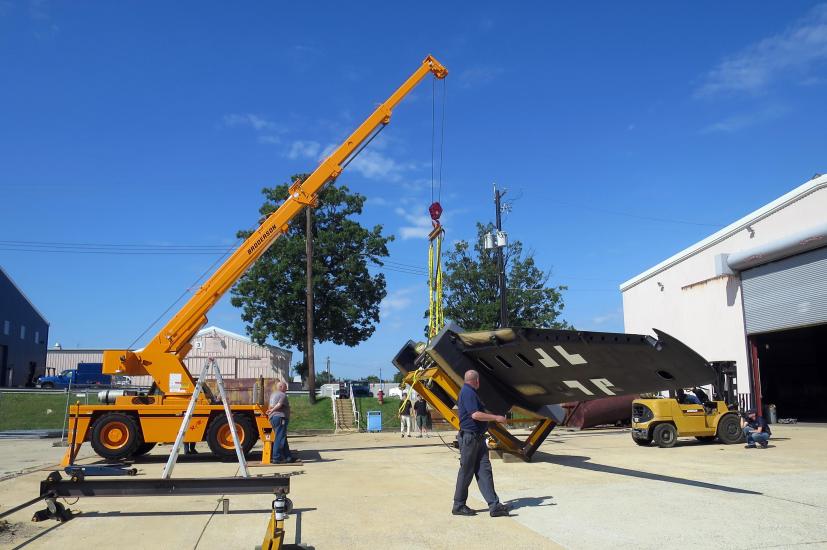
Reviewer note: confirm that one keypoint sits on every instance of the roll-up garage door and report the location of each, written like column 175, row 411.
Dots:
column 787, row 293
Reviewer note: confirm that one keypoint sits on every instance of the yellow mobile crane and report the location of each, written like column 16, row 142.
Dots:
column 132, row 424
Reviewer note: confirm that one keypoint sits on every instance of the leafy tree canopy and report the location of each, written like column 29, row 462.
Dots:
column 300, row 368
column 471, row 290
column 346, row 295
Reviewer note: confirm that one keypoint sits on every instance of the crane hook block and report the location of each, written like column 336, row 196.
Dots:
column 436, row 211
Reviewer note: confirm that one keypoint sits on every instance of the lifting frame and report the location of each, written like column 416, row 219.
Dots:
column 55, row 487
column 423, row 380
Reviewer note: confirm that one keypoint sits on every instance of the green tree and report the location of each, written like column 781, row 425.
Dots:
column 398, row 376
column 471, row 291
column 372, row 379
column 323, row 378
column 346, row 295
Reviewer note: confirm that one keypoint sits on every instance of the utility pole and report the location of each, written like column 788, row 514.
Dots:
column 328, row 370
column 308, row 353
column 500, row 241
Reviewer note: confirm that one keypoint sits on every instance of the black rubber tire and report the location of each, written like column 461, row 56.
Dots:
column 247, row 433
column 705, row 438
column 144, row 448
column 729, row 430
column 643, row 442
column 665, row 435
column 128, row 444
column 47, row 386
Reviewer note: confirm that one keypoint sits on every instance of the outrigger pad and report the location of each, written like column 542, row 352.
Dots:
column 535, row 368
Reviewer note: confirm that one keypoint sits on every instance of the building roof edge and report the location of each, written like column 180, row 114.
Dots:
column 807, row 188
column 34, row 307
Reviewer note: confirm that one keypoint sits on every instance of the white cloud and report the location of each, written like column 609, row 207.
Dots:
column 269, row 139
column 419, row 222
column 741, row 121
column 478, row 76
column 374, row 165
column 378, row 201
column 395, row 301
column 798, row 49
column 304, row 150
column 256, row 122
column 39, row 9
column 606, row 318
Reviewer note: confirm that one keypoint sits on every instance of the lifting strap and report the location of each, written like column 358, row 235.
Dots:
column 435, row 317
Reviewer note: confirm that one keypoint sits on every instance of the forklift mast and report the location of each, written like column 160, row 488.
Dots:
column 724, row 388
column 162, row 358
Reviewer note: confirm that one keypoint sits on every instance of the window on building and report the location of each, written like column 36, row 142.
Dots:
column 22, row 332
column 6, row 327
column 37, row 337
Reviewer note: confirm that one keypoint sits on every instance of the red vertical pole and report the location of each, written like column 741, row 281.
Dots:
column 756, row 374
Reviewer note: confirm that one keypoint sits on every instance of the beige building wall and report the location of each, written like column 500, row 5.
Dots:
column 687, row 297
column 236, row 356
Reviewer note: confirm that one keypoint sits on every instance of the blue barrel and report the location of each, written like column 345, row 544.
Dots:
column 374, row 421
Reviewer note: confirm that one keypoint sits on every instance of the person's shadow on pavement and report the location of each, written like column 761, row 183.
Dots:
column 533, row 502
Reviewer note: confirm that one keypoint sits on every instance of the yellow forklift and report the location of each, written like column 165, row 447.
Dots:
column 663, row 420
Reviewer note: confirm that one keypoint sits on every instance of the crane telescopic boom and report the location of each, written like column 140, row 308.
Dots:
column 162, row 358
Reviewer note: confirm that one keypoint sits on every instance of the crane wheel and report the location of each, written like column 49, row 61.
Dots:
column 116, row 436
column 220, row 438
column 143, row 448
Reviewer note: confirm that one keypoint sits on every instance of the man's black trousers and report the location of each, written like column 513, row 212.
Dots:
column 474, row 462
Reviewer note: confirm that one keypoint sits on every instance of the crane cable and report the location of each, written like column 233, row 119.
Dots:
column 436, row 318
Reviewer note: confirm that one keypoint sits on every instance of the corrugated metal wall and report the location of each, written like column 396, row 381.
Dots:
column 786, row 294
column 237, row 358
column 58, row 361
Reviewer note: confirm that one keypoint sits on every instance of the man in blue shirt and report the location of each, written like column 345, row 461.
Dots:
column 473, row 451
column 756, row 430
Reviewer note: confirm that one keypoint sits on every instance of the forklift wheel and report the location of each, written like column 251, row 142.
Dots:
column 729, row 430
column 665, row 435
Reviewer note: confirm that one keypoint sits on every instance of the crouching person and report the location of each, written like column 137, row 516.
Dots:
column 756, row 430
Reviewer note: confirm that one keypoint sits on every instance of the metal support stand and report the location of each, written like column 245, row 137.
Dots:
column 173, row 455
column 274, row 536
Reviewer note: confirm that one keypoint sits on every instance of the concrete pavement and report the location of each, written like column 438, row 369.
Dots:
column 584, row 490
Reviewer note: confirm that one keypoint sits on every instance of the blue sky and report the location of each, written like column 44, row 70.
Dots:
column 623, row 133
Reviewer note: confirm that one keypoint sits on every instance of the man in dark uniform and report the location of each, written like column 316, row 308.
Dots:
column 756, row 430
column 473, row 451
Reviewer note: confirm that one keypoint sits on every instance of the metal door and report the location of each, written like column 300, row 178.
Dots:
column 786, row 294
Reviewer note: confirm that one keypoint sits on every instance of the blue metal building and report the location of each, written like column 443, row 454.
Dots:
column 24, row 333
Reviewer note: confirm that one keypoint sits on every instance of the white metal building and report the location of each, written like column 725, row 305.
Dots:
column 237, row 357
column 754, row 292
